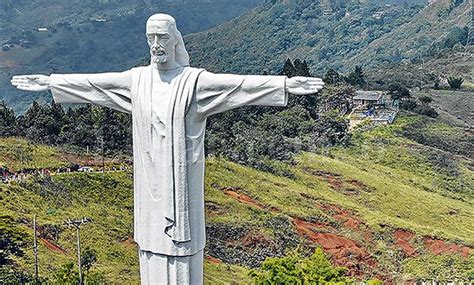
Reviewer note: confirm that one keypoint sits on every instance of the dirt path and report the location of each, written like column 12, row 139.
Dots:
column 52, row 246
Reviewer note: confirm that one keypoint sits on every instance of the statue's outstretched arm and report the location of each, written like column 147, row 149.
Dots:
column 221, row 92
column 112, row 90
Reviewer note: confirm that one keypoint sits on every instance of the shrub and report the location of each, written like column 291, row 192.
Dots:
column 293, row 269
column 425, row 99
column 455, row 82
column 398, row 92
column 409, row 105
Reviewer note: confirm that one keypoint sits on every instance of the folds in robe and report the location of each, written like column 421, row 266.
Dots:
column 168, row 141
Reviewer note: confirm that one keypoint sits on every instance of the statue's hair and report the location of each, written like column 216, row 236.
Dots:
column 182, row 56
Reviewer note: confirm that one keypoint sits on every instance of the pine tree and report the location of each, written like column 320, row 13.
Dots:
column 288, row 68
column 357, row 77
column 7, row 120
column 332, row 77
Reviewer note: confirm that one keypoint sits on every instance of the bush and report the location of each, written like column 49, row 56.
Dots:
column 426, row 110
column 425, row 99
column 294, row 269
column 13, row 240
column 398, row 92
column 422, row 109
column 409, row 105
column 455, row 82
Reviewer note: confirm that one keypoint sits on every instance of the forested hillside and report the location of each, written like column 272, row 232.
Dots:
column 89, row 36
column 339, row 37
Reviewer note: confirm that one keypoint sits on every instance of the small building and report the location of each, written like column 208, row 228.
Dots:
column 365, row 98
column 42, row 29
column 99, row 20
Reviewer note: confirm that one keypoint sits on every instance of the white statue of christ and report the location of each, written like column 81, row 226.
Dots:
column 169, row 102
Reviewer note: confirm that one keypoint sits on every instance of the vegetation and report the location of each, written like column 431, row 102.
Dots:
column 257, row 135
column 84, row 127
column 445, row 266
column 385, row 179
column 17, row 154
column 295, row 269
column 455, row 82
column 341, row 37
column 388, row 202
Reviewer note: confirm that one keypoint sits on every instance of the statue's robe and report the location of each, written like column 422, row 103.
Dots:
column 168, row 137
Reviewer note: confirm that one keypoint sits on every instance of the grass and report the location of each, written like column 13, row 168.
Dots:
column 17, row 154
column 396, row 186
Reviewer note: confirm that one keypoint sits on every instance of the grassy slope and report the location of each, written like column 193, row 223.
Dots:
column 384, row 180
column 454, row 106
column 19, row 154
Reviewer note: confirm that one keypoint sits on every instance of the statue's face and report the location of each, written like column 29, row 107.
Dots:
column 161, row 41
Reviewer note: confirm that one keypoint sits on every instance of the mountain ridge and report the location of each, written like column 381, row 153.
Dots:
column 342, row 39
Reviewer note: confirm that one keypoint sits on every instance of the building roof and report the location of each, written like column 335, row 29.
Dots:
column 367, row 95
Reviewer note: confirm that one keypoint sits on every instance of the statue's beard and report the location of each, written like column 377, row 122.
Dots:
column 158, row 55
column 159, row 58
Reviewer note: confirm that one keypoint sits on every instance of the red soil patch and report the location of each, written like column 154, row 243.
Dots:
column 333, row 179
column 244, row 199
column 249, row 201
column 52, row 246
column 130, row 242
column 348, row 220
column 212, row 259
column 345, row 252
column 308, row 228
column 402, row 240
column 438, row 246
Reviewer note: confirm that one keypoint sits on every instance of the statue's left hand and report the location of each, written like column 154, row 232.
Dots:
column 303, row 85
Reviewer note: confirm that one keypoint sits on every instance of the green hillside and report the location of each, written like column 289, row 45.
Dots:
column 385, row 207
column 339, row 37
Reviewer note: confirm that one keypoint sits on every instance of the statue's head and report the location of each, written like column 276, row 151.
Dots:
column 165, row 41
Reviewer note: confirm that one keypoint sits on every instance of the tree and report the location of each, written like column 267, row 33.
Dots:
column 7, row 120
column 332, row 77
column 398, row 92
column 42, row 123
column 288, row 68
column 357, row 77
column 13, row 240
column 67, row 274
column 301, row 68
column 455, row 82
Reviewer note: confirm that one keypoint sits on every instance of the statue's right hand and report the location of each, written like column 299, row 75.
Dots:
column 35, row 83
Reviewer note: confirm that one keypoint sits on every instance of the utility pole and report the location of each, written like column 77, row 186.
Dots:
column 35, row 248
column 77, row 224
column 103, row 159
